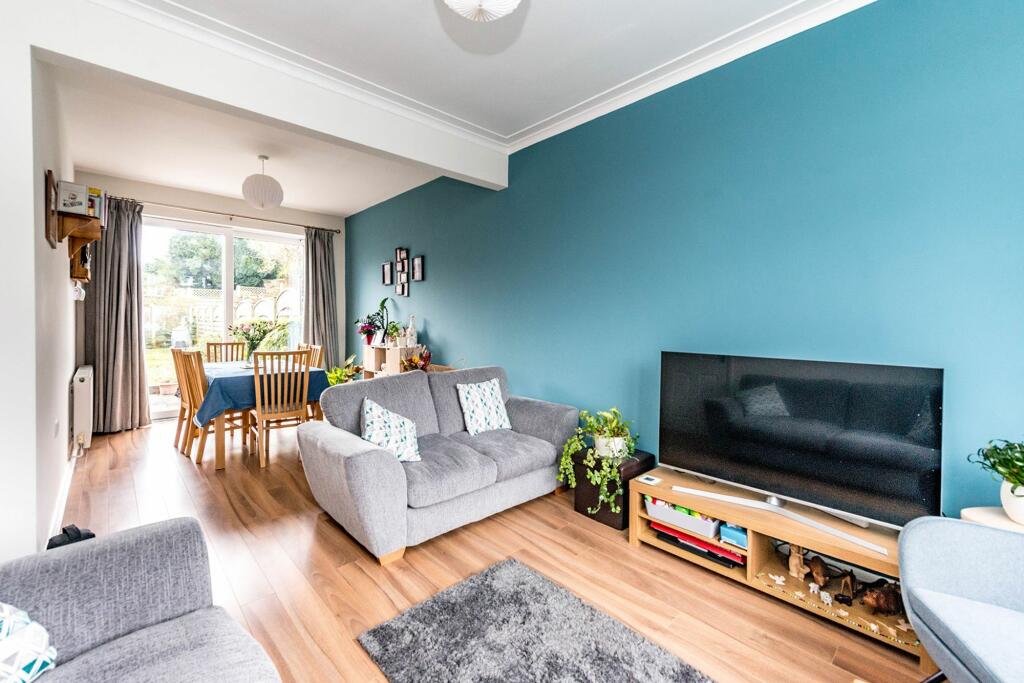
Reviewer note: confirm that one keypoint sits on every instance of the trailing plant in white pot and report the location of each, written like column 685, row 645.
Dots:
column 613, row 444
column 1005, row 459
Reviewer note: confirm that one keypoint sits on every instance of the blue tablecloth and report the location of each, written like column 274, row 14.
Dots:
column 232, row 387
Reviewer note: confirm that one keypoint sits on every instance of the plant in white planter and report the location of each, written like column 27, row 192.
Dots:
column 613, row 444
column 1006, row 460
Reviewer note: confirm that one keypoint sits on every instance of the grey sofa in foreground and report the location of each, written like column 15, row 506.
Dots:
column 963, row 594
column 134, row 606
column 388, row 505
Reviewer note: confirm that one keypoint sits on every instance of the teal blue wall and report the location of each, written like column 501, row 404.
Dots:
column 854, row 193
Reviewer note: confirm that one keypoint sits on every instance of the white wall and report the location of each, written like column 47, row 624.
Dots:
column 54, row 316
column 91, row 32
column 153, row 194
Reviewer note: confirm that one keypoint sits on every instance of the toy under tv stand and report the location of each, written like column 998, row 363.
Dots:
column 762, row 560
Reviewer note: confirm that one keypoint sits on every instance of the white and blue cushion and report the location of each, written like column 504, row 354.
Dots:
column 390, row 431
column 25, row 650
column 482, row 407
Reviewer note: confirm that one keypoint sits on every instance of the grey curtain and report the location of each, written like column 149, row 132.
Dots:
column 114, row 344
column 321, row 300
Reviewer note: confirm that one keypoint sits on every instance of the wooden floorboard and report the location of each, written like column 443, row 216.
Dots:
column 306, row 590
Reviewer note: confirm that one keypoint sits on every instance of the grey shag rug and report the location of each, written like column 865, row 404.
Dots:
column 509, row 623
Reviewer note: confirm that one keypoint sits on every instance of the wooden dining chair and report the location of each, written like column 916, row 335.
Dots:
column 184, row 408
column 222, row 352
column 282, row 395
column 316, row 354
column 195, row 379
column 316, row 360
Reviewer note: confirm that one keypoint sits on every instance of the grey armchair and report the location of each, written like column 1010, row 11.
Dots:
column 132, row 606
column 963, row 593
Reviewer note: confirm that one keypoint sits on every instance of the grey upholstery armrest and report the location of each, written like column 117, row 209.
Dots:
column 552, row 422
column 361, row 486
column 939, row 554
column 94, row 591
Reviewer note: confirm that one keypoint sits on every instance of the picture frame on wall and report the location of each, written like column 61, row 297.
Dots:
column 385, row 276
column 398, row 288
column 399, row 266
column 417, row 269
column 404, row 253
column 403, row 278
column 405, row 289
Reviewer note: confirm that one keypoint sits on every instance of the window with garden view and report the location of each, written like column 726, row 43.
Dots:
column 193, row 289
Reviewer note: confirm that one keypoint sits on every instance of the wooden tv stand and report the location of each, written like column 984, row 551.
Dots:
column 762, row 527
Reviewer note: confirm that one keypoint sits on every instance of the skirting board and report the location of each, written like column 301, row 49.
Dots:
column 62, row 501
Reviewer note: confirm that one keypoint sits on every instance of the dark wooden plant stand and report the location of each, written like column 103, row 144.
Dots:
column 586, row 493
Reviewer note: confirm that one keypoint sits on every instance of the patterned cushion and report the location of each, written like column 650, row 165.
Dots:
column 390, row 431
column 482, row 407
column 25, row 650
column 763, row 401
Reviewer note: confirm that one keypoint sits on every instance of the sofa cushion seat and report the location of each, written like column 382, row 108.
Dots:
column 204, row 645
column 514, row 454
column 446, row 469
column 975, row 631
column 889, row 450
column 789, row 432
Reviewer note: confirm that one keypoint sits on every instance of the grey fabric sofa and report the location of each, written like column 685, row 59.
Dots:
column 963, row 595
column 134, row 606
column 388, row 505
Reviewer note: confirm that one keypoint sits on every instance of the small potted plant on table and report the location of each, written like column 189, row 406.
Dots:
column 345, row 373
column 392, row 332
column 374, row 322
column 592, row 463
column 1005, row 459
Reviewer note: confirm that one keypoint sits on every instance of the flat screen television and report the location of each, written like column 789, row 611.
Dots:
column 864, row 440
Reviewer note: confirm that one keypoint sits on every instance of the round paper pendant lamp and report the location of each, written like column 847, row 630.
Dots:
column 483, row 10
column 262, row 191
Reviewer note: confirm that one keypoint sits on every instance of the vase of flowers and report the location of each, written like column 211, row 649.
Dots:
column 254, row 332
column 418, row 361
column 1005, row 459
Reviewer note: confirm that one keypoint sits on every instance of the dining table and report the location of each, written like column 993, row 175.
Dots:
column 231, row 386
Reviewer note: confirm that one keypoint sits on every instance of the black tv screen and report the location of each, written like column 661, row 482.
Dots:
column 861, row 439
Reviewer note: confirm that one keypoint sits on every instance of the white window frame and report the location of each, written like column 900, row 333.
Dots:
column 227, row 275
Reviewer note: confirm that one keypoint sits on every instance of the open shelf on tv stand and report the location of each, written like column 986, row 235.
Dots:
column 762, row 560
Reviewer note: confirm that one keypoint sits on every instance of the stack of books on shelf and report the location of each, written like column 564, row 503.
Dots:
column 82, row 200
column 686, row 529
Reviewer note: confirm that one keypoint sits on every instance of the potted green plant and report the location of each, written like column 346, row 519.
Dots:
column 606, row 442
column 345, row 373
column 374, row 322
column 392, row 331
column 1005, row 459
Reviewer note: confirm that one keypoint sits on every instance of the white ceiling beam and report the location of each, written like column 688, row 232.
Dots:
column 129, row 39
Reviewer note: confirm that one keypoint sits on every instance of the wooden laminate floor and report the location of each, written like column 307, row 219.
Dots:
column 306, row 590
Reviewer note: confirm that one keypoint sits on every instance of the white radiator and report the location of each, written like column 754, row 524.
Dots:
column 81, row 407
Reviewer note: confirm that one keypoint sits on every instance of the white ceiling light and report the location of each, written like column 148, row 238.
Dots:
column 262, row 191
column 483, row 10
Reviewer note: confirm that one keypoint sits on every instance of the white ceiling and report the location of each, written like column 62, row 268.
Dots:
column 549, row 65
column 117, row 127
